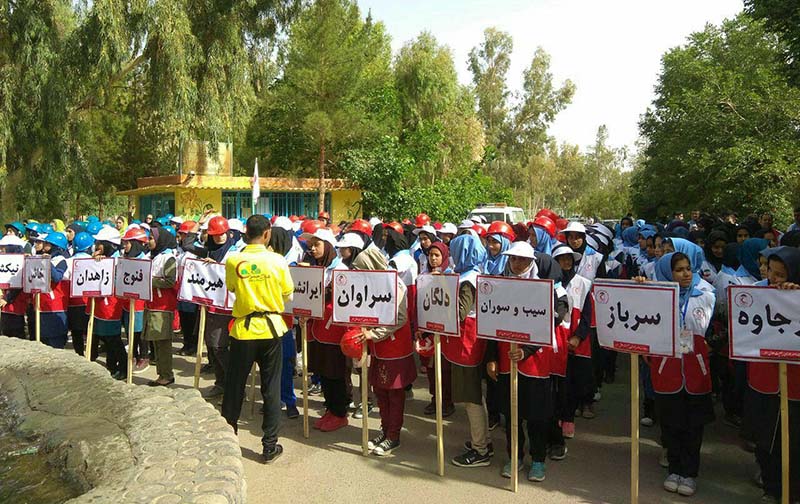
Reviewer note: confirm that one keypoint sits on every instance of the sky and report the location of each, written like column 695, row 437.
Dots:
column 610, row 49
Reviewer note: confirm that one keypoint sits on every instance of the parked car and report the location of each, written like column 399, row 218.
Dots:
column 499, row 212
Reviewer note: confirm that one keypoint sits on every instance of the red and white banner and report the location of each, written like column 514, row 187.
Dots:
column 437, row 304
column 519, row 310
column 203, row 283
column 133, row 279
column 638, row 318
column 365, row 298
column 92, row 278
column 309, row 293
column 764, row 324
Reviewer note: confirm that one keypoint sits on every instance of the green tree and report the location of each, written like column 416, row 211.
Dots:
column 489, row 63
column 783, row 18
column 721, row 133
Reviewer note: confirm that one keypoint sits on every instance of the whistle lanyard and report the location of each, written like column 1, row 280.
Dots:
column 683, row 312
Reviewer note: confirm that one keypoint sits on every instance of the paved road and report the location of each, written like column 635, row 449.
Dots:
column 329, row 467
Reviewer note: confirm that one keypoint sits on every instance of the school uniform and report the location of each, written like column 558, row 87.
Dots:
column 159, row 312
column 12, row 322
column 77, row 317
column 140, row 351
column 53, row 305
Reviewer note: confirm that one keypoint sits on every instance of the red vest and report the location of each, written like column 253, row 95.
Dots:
column 138, row 304
column 108, row 308
column 577, row 290
column 56, row 300
column 323, row 331
column 19, row 306
column 397, row 346
column 691, row 371
column 534, row 366
column 763, row 377
column 164, row 300
column 558, row 354
column 467, row 350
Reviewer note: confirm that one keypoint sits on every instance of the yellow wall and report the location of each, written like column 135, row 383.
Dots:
column 345, row 205
column 192, row 202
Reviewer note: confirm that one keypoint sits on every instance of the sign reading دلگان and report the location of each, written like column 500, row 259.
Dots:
column 640, row 318
column 764, row 324
column 308, row 300
column 517, row 310
column 203, row 283
column 36, row 276
column 92, row 278
column 133, row 279
column 365, row 298
column 437, row 304
column 12, row 268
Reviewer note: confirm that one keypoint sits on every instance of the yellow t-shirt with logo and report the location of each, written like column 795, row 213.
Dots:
column 261, row 280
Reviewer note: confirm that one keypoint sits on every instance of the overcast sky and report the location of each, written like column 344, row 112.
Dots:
column 610, row 49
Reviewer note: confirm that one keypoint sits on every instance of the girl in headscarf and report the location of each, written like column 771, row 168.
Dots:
column 630, row 246
column 134, row 246
column 53, row 305
column 465, row 353
column 683, row 384
column 748, row 252
column 696, row 257
column 763, row 394
column 591, row 264
column 496, row 244
column 13, row 302
column 160, row 310
column 714, row 249
column 108, row 313
column 425, row 235
column 392, row 367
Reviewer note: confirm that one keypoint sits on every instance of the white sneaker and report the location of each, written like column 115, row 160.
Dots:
column 672, row 482
column 597, row 396
column 647, row 421
column 687, row 487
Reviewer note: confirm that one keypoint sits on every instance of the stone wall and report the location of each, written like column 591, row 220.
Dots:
column 122, row 444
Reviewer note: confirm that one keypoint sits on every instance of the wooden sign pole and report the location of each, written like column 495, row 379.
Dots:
column 198, row 361
column 302, row 328
column 90, row 331
column 364, row 402
column 38, row 318
column 514, row 425
column 439, row 417
column 131, row 339
column 634, row 428
column 784, row 384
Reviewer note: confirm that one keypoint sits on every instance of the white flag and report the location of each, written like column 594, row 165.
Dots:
column 256, row 188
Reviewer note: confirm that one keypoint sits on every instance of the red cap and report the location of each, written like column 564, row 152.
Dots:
column 394, row 225
column 422, row 220
column 135, row 234
column 361, row 226
column 545, row 223
column 218, row 225
column 188, row 226
column 351, row 343
column 502, row 228
column 324, row 215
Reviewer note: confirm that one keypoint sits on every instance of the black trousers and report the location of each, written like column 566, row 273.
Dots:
column 560, row 411
column 336, row 396
column 492, row 400
column 683, row 449
column 116, row 357
column 538, row 432
column 189, row 329
column 12, row 325
column 268, row 353
column 78, row 322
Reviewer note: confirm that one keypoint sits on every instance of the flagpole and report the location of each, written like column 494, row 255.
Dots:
column 256, row 190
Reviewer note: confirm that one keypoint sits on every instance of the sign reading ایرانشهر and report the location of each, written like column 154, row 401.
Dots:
column 133, row 279
column 638, row 318
column 309, row 294
column 366, row 298
column 518, row 310
column 764, row 323
column 12, row 268
column 92, row 278
column 437, row 304
column 203, row 283
column 36, row 276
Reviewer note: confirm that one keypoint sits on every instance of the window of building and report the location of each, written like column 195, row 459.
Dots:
column 157, row 205
column 238, row 204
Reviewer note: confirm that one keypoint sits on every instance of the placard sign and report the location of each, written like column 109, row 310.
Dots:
column 11, row 271
column 437, row 304
column 36, row 278
column 367, row 298
column 133, row 279
column 638, row 318
column 92, row 278
column 764, row 323
column 309, row 295
column 519, row 310
column 203, row 283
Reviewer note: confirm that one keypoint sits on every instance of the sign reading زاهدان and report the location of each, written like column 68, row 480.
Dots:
column 92, row 278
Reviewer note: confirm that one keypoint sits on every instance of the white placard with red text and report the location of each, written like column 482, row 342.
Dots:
column 309, row 294
column 12, row 268
column 36, row 276
column 518, row 310
column 92, row 278
column 764, row 324
column 437, row 304
column 639, row 318
column 365, row 298
column 133, row 279
column 203, row 283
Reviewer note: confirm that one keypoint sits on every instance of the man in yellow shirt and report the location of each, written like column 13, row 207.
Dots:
column 261, row 281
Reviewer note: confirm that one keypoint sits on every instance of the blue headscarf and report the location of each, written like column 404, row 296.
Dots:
column 497, row 264
column 664, row 274
column 748, row 255
column 680, row 232
column 629, row 236
column 544, row 242
column 692, row 251
column 790, row 257
column 468, row 254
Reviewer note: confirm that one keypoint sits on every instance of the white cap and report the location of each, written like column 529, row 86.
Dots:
column 177, row 220
column 466, row 224
column 133, row 226
column 236, row 225
column 448, row 228
column 11, row 241
column 40, row 237
column 575, row 227
column 562, row 249
column 323, row 234
column 375, row 221
column 478, row 219
column 109, row 234
column 603, row 230
column 283, row 223
column 145, row 225
column 426, row 228
column 350, row 240
column 520, row 249
column 296, row 226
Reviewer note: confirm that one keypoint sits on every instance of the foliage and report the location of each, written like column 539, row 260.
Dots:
column 783, row 18
column 722, row 131
column 489, row 65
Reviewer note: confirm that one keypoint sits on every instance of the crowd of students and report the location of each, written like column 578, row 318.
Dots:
column 556, row 385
